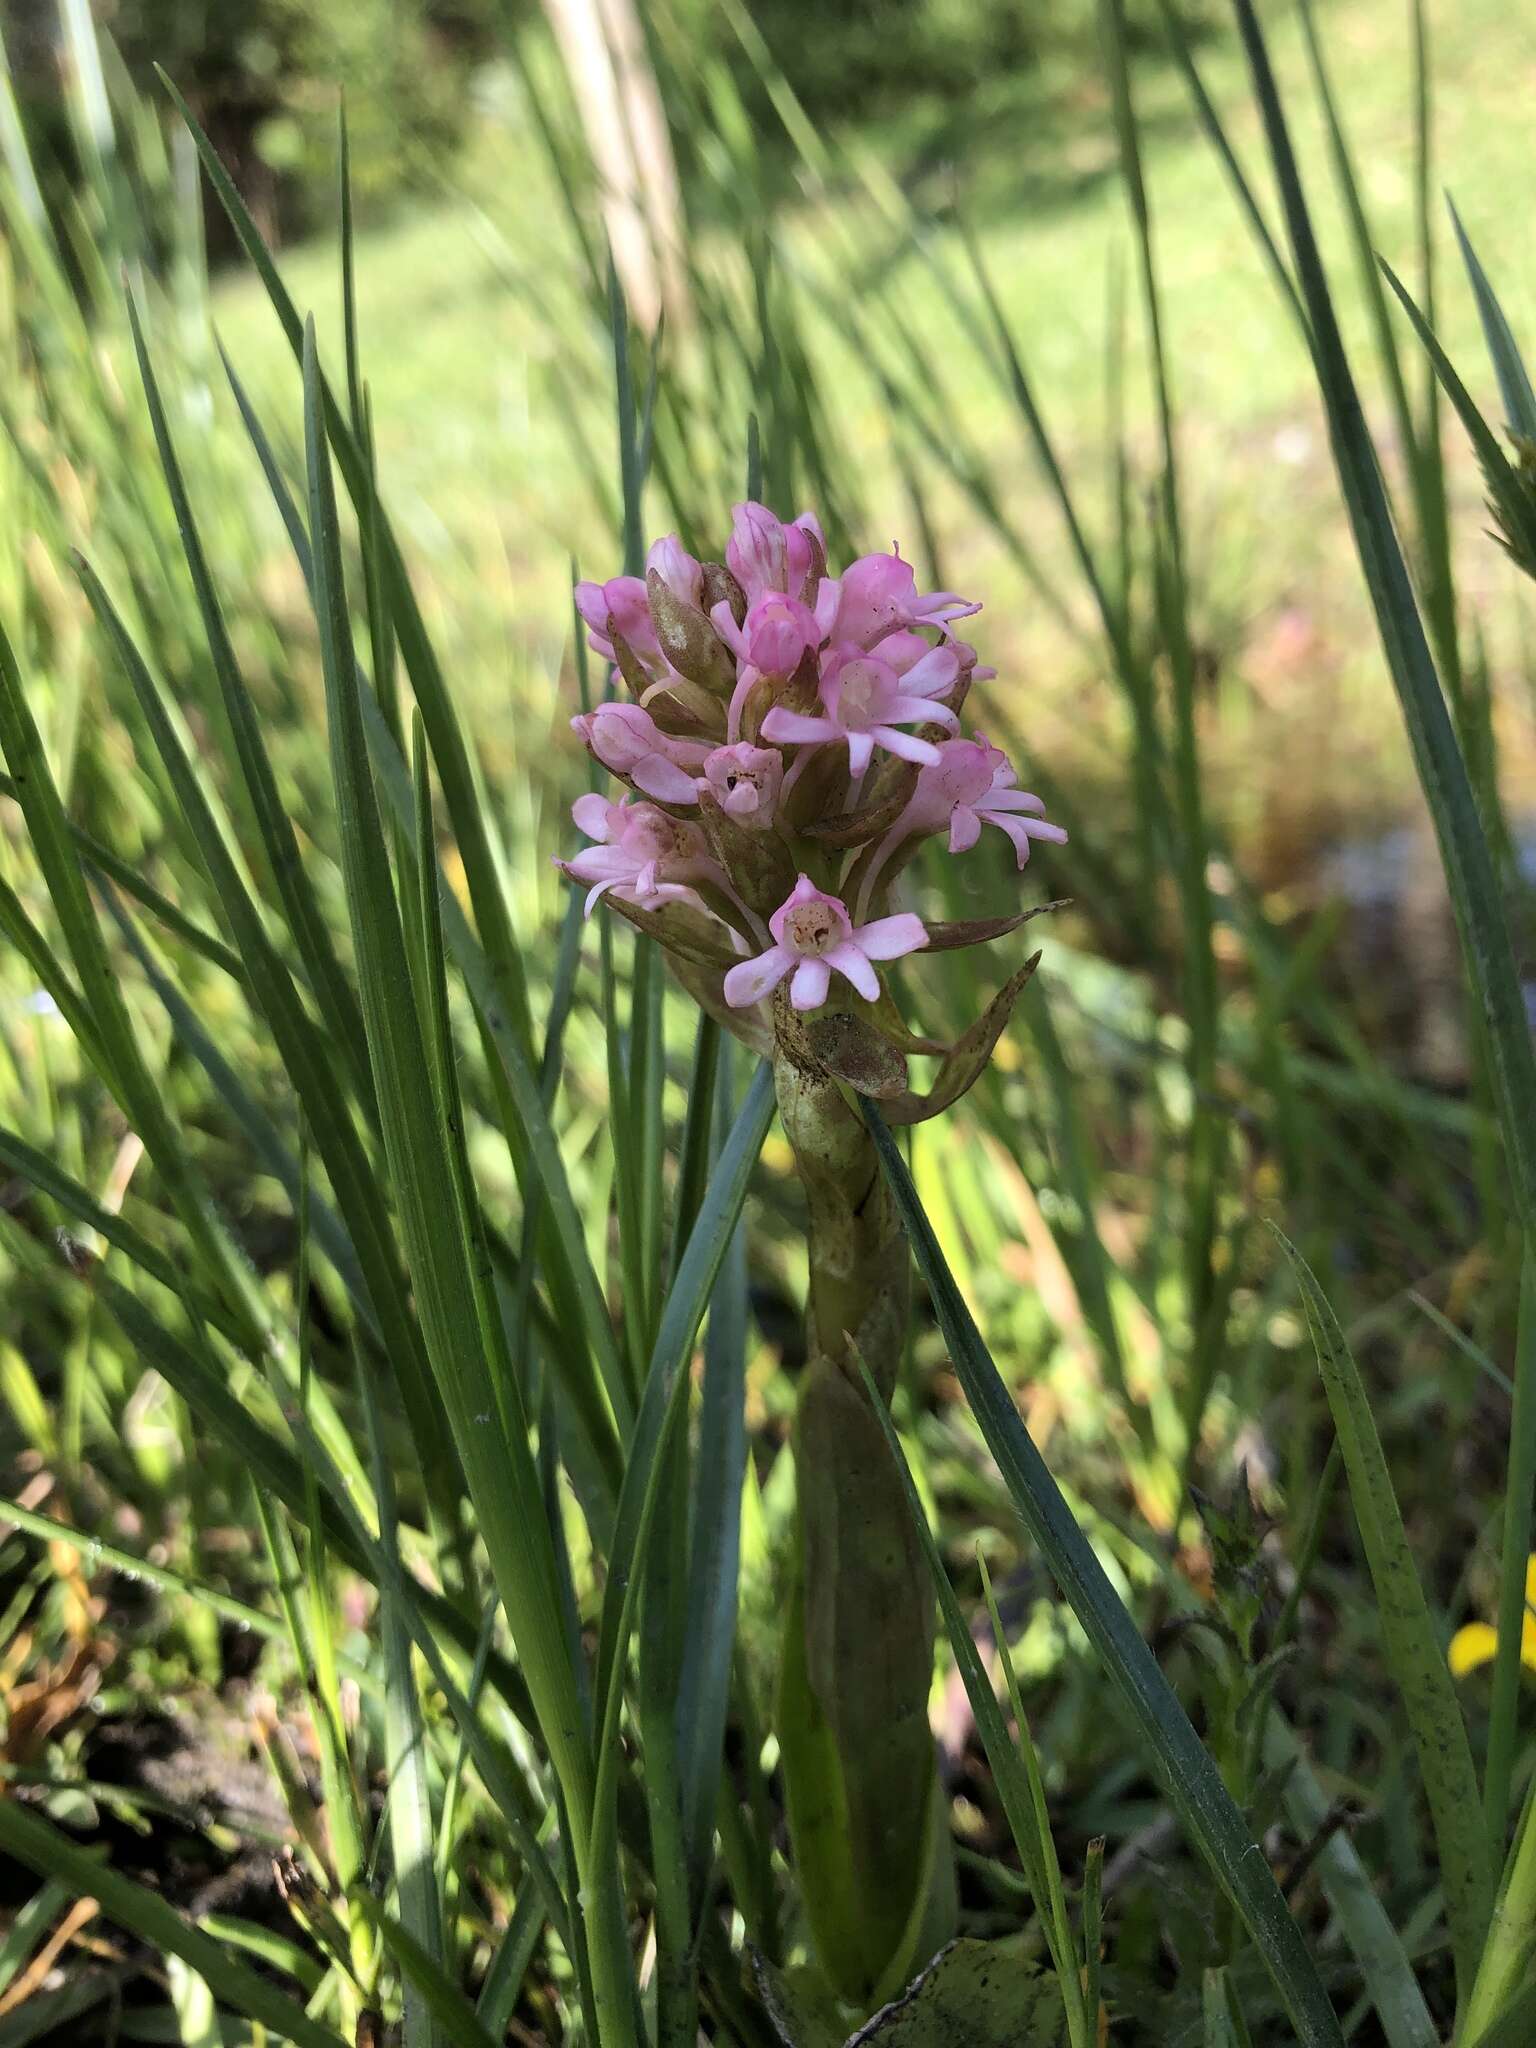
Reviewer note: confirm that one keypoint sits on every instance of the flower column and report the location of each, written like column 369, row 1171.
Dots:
column 794, row 736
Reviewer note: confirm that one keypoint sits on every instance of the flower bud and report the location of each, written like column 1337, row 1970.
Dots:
column 678, row 570
column 719, row 586
column 778, row 633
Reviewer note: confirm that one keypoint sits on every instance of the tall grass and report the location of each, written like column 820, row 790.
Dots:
column 365, row 1216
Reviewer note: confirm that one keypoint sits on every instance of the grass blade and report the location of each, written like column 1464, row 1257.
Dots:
column 1351, row 1893
column 1508, row 364
column 1413, row 1647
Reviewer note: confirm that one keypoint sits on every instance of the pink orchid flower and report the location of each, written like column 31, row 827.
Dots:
column 865, row 700
column 813, row 934
column 973, row 783
column 764, row 554
column 970, row 784
column 641, row 854
column 878, row 594
column 622, row 600
column 746, row 780
column 628, row 741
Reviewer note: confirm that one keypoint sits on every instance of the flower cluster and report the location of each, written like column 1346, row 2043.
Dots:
column 788, row 740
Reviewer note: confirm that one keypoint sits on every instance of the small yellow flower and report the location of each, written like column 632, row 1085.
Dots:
column 1477, row 1643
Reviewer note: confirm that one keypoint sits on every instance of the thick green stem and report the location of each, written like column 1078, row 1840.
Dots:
column 864, row 1811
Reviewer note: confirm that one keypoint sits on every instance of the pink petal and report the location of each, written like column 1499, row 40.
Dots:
column 861, row 747
column 592, row 605
column 750, row 980
column 604, row 864
column 1022, row 830
column 796, row 728
column 808, row 990
column 664, row 780
column 936, row 671
column 1009, row 800
column 888, row 938
column 851, row 963
column 591, row 814
column 901, row 709
column 964, row 829
column 723, row 619
column 906, row 744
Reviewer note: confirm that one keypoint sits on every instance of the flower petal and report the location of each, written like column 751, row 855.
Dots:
column 591, row 814
column 903, row 710
column 664, row 780
column 601, row 864
column 592, row 605
column 1022, row 830
column 852, row 965
column 808, row 990
column 906, row 744
column 936, row 671
column 1010, row 800
column 796, row 728
column 1472, row 1646
column 964, row 829
column 750, row 980
column 888, row 938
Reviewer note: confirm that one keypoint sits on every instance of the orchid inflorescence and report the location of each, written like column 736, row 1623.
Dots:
column 790, row 739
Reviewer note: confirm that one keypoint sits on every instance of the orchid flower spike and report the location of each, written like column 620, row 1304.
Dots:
column 781, row 721
column 813, row 934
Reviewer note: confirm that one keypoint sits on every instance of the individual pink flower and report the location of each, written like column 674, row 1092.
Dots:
column 972, row 783
column 746, row 780
column 878, row 594
column 628, row 741
column 865, row 700
column 621, row 599
column 813, row 934
column 622, row 604
column 764, row 554
column 641, row 854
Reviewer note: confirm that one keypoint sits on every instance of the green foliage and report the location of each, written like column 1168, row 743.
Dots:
column 397, row 1365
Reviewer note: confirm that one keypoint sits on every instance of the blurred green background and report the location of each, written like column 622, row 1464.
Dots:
column 488, row 357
